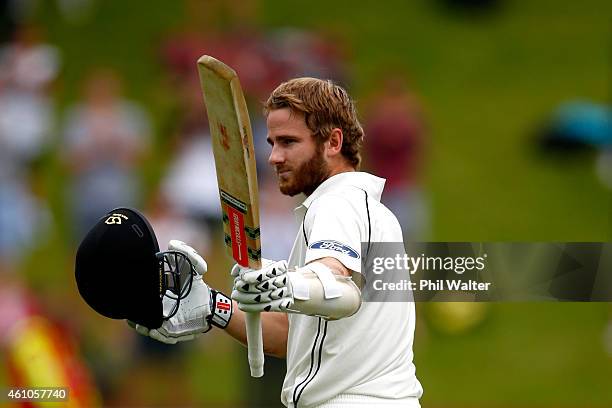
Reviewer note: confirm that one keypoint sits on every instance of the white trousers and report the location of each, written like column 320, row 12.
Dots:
column 362, row 401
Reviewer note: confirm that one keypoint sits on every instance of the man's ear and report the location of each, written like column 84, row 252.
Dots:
column 334, row 143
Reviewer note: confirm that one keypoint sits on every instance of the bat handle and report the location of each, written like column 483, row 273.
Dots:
column 255, row 344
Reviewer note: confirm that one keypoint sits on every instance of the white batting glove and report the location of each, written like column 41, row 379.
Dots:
column 200, row 309
column 264, row 290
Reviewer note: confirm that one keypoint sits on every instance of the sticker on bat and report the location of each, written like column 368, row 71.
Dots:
column 239, row 245
column 233, row 202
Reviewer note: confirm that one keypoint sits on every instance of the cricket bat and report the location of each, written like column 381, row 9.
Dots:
column 232, row 141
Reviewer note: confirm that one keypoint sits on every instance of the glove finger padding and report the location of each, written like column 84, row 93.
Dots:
column 264, row 297
column 140, row 329
column 279, row 305
column 266, row 266
column 265, row 286
column 196, row 259
column 157, row 335
column 162, row 335
column 262, row 290
column 261, row 275
column 236, row 269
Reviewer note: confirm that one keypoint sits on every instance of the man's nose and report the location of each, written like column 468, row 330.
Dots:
column 275, row 157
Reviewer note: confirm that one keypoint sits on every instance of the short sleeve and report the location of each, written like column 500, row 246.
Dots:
column 334, row 227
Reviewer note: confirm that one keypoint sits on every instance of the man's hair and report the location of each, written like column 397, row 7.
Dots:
column 325, row 106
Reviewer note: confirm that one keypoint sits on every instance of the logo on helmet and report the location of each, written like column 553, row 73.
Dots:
column 115, row 219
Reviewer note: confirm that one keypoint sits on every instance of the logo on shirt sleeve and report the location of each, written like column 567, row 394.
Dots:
column 335, row 246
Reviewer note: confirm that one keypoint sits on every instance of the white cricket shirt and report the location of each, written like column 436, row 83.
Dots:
column 369, row 353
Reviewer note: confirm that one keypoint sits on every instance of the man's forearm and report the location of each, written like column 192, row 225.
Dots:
column 275, row 329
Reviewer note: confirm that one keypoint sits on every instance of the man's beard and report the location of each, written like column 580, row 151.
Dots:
column 307, row 177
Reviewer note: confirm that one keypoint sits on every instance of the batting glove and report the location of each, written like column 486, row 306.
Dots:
column 201, row 309
column 264, row 290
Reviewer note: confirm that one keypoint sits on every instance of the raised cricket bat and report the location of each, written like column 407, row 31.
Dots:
column 232, row 141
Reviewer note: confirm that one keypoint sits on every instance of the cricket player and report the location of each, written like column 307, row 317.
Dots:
column 340, row 351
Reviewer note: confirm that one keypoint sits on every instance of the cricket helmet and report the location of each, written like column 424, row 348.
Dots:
column 121, row 273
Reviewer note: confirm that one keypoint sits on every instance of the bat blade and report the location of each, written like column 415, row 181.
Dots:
column 232, row 142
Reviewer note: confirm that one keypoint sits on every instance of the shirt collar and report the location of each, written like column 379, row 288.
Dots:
column 371, row 184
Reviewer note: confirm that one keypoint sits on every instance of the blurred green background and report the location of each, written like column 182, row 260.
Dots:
column 486, row 80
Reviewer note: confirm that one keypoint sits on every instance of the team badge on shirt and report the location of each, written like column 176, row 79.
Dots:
column 335, row 246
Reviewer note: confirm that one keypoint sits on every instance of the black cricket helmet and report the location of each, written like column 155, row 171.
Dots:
column 121, row 273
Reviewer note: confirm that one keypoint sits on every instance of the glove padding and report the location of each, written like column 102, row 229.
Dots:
column 192, row 318
column 263, row 290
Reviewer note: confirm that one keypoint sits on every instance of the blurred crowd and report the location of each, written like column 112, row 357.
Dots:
column 98, row 145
